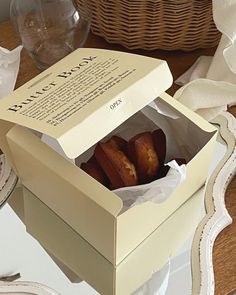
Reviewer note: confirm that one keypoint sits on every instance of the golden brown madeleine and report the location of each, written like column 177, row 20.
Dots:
column 142, row 153
column 119, row 143
column 159, row 140
column 118, row 168
column 94, row 170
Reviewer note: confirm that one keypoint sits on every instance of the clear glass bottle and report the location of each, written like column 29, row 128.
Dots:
column 49, row 29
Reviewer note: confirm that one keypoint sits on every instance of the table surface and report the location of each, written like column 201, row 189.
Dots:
column 224, row 252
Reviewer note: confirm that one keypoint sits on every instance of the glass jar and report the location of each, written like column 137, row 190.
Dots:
column 49, row 29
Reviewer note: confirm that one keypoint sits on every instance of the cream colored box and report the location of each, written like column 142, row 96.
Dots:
column 78, row 256
column 78, row 101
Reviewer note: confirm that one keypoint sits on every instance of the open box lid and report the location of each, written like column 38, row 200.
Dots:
column 86, row 95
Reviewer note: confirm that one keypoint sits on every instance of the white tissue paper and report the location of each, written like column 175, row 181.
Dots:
column 156, row 191
column 9, row 67
column 210, row 84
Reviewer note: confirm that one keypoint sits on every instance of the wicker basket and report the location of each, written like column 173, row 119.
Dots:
column 154, row 24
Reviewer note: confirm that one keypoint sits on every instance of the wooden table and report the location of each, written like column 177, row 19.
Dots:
column 224, row 253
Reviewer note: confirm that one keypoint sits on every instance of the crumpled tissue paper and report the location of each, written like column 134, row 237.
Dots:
column 9, row 67
column 210, row 84
column 157, row 191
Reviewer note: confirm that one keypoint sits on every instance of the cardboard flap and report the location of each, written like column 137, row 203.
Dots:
column 21, row 140
column 86, row 95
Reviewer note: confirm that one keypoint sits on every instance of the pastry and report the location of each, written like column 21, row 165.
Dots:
column 92, row 160
column 94, row 170
column 143, row 155
column 119, row 143
column 159, row 140
column 116, row 165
